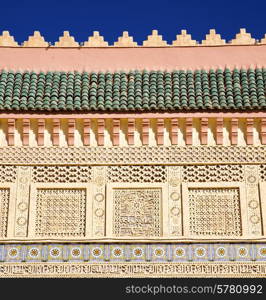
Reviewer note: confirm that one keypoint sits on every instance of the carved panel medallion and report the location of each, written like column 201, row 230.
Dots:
column 137, row 212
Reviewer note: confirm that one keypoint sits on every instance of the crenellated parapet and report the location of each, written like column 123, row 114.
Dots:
column 153, row 40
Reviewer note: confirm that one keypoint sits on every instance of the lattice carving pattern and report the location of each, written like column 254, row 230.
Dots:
column 139, row 174
column 177, row 155
column 262, row 172
column 61, row 174
column 137, row 212
column 8, row 173
column 213, row 173
column 4, row 202
column 214, row 212
column 60, row 212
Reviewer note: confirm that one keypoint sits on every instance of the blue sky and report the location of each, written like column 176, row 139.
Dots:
column 139, row 17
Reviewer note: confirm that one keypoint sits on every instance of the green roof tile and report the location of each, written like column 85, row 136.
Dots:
column 237, row 89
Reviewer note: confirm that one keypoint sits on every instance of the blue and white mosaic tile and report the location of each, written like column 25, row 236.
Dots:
column 175, row 252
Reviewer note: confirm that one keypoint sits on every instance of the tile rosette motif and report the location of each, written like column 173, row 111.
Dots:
column 130, row 260
column 122, row 252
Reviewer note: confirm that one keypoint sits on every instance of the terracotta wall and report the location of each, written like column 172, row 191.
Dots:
column 116, row 59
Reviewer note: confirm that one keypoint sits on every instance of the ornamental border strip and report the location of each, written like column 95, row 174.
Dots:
column 135, row 252
column 169, row 155
column 129, row 270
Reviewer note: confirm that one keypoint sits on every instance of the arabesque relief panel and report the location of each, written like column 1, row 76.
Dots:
column 133, row 202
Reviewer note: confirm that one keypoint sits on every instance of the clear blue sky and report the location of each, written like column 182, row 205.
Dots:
column 139, row 17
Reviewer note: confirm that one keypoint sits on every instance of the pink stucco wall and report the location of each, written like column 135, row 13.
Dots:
column 116, row 59
column 142, row 115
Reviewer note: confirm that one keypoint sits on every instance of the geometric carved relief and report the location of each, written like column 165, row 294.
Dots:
column 252, row 198
column 214, row 212
column 213, row 173
column 177, row 155
column 262, row 172
column 22, row 201
column 60, row 212
column 98, row 204
column 137, row 173
column 262, row 202
column 8, row 173
column 137, row 212
column 175, row 183
column 61, row 174
column 4, row 204
column 174, row 198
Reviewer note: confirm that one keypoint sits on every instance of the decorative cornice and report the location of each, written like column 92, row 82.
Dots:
column 153, row 40
column 105, row 131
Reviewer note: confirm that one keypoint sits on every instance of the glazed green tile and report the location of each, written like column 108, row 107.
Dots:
column 134, row 91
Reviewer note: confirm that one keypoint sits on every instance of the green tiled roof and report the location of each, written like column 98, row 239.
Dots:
column 134, row 91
